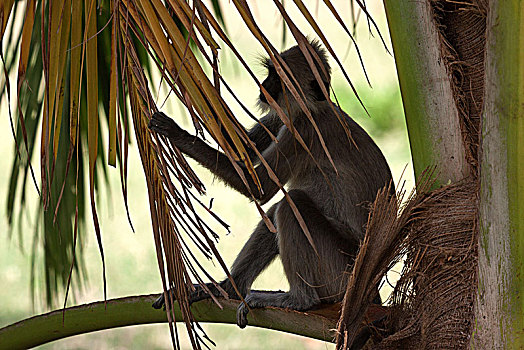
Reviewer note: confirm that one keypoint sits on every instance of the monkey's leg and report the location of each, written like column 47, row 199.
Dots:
column 312, row 278
column 260, row 249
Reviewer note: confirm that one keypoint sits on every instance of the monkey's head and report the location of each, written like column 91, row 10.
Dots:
column 303, row 75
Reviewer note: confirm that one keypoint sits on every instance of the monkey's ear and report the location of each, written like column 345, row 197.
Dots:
column 317, row 91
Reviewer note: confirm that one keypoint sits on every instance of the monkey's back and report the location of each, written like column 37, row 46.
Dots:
column 343, row 195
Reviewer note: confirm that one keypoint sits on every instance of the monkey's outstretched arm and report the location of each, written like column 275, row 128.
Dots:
column 260, row 136
column 218, row 163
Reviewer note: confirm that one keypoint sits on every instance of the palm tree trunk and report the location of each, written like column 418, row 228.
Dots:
column 500, row 303
column 429, row 104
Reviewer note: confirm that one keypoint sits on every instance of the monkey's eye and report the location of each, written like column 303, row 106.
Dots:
column 317, row 90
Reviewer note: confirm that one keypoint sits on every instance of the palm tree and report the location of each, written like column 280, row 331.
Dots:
column 459, row 67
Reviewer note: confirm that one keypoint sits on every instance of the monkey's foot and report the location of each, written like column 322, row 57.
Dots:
column 242, row 312
column 257, row 300
column 162, row 124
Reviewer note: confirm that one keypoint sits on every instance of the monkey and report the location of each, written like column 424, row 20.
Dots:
column 330, row 199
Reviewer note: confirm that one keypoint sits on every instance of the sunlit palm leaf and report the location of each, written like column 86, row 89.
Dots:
column 113, row 84
column 64, row 216
column 5, row 12
column 91, row 51
column 63, row 35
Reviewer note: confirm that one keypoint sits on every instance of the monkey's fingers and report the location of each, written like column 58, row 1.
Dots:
column 160, row 125
column 198, row 295
column 160, row 302
column 163, row 125
column 201, row 294
column 242, row 312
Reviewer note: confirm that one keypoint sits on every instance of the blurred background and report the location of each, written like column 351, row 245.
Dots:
column 130, row 257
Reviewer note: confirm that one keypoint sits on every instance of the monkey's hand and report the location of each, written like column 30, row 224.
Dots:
column 163, row 125
column 200, row 293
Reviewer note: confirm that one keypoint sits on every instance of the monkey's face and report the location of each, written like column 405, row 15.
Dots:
column 302, row 79
column 272, row 84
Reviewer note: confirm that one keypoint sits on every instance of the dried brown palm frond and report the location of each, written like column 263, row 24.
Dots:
column 181, row 72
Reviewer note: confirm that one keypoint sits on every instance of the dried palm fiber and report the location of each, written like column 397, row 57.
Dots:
column 462, row 34
column 382, row 247
column 432, row 303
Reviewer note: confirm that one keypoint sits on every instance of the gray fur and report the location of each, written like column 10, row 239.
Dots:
column 334, row 206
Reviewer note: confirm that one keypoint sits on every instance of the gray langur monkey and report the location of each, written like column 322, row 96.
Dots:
column 333, row 205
